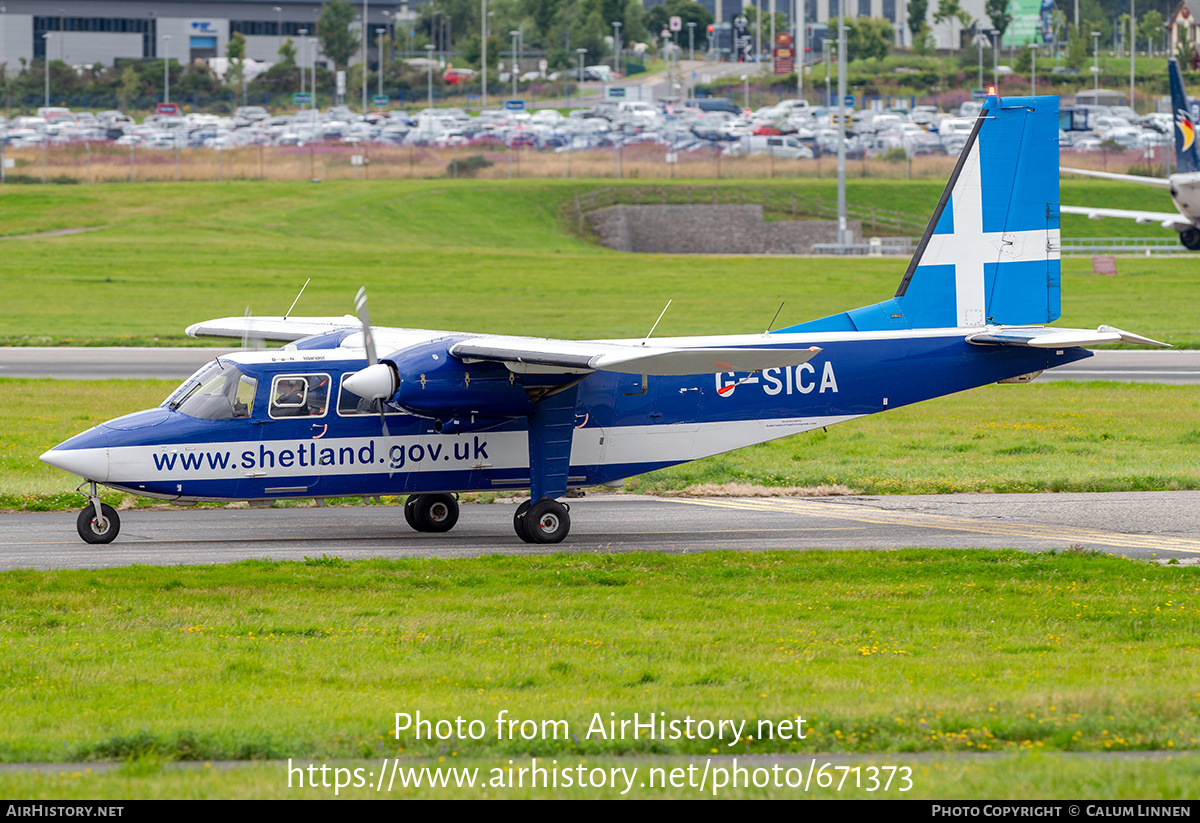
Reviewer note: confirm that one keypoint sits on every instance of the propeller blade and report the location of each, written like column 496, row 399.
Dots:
column 360, row 308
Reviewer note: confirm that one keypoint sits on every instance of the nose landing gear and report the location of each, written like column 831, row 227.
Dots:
column 97, row 522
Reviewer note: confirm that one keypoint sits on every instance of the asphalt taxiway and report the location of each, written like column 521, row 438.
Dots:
column 1148, row 525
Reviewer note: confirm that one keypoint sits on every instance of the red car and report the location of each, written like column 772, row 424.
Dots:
column 452, row 76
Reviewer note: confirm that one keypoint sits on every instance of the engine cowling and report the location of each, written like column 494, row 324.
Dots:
column 434, row 384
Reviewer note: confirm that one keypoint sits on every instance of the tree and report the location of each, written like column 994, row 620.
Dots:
column 1077, row 50
column 338, row 43
column 235, row 50
column 923, row 40
column 997, row 12
column 659, row 17
column 1151, row 28
column 130, row 85
column 947, row 12
column 635, row 30
column 868, row 38
column 917, row 10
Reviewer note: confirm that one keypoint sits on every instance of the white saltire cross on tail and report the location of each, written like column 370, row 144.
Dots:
column 963, row 243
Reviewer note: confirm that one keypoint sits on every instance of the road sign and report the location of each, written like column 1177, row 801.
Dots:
column 514, row 105
column 302, row 98
column 167, row 108
column 676, row 24
column 616, row 91
column 978, row 94
column 833, row 119
column 380, row 100
column 543, row 65
column 849, row 101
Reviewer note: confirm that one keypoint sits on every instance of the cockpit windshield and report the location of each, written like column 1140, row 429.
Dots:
column 219, row 391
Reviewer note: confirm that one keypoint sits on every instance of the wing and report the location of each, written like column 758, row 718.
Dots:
column 1127, row 178
column 1049, row 338
column 1168, row 221
column 284, row 329
column 533, row 355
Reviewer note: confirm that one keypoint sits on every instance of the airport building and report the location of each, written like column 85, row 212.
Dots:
column 85, row 32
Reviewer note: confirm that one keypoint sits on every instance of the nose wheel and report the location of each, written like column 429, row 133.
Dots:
column 546, row 521
column 98, row 528
column 431, row 512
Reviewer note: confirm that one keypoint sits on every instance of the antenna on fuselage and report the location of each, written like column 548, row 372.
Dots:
column 656, row 322
column 773, row 319
column 297, row 300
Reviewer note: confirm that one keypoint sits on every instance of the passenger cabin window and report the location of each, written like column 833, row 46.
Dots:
column 219, row 391
column 351, row 405
column 299, row 395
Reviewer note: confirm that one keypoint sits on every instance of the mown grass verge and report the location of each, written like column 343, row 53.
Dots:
column 486, row 256
column 907, row 651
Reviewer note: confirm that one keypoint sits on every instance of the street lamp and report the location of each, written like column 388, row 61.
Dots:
column 429, row 47
column 514, row 35
column 483, row 21
column 1096, row 60
column 581, row 53
column 692, row 41
column 166, row 68
column 382, row 57
column 995, row 58
column 1033, row 47
column 434, row 29
column 279, row 24
column 616, row 46
column 745, row 91
column 46, row 62
column 303, row 38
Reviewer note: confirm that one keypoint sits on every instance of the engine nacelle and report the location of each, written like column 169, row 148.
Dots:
column 435, row 384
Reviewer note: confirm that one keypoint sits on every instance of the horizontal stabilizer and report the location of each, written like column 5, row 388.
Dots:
column 528, row 354
column 1161, row 182
column 1174, row 221
column 283, row 329
column 1048, row 338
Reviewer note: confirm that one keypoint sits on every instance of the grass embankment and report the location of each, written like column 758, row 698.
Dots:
column 909, row 651
column 476, row 255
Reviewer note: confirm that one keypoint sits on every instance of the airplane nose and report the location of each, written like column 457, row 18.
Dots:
column 84, row 454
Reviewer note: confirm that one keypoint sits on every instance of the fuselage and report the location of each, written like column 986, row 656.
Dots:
column 279, row 424
column 1185, row 193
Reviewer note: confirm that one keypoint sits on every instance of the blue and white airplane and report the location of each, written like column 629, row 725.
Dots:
column 1184, row 184
column 446, row 412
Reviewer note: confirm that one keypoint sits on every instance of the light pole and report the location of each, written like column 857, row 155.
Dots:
column 429, row 47
column 1132, row 51
column 303, row 73
column 46, row 62
column 434, row 28
column 979, row 43
column 616, row 46
column 166, row 68
column 379, row 32
column 366, row 54
column 1033, row 47
column 1096, row 60
column 995, row 58
column 514, row 35
column 745, row 91
column 692, row 41
column 279, row 24
column 581, row 53
column 483, row 65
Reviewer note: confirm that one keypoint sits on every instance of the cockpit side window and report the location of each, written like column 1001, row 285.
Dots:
column 299, row 395
column 219, row 391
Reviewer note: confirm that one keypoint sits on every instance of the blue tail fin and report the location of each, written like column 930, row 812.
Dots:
column 990, row 254
column 1185, row 126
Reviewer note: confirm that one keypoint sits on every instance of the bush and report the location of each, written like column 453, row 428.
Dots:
column 469, row 166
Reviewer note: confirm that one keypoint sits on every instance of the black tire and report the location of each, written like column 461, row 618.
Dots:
column 519, row 521
column 436, row 512
column 1190, row 238
column 410, row 512
column 85, row 524
column 547, row 522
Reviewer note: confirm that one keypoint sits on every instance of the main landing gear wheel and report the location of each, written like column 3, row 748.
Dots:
column 431, row 512
column 519, row 521
column 94, row 530
column 546, row 521
column 1190, row 238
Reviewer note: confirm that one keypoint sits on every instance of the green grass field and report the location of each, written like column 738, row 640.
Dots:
column 879, row 652
column 1034, row 660
column 172, row 254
